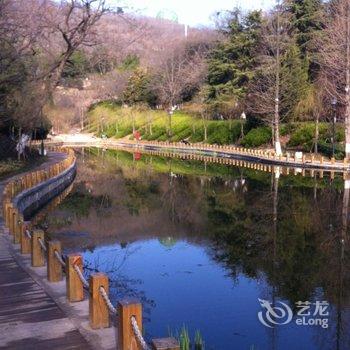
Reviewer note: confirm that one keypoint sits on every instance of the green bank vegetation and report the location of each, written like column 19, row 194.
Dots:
column 159, row 164
column 112, row 120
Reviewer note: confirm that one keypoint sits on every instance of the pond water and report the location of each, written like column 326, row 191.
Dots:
column 212, row 247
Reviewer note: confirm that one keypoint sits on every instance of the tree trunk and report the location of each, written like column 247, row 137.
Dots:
column 278, row 149
column 205, row 127
column 345, row 208
column 169, row 131
column 82, row 118
column 317, row 132
column 150, row 124
column 19, row 140
column 170, row 134
column 347, row 87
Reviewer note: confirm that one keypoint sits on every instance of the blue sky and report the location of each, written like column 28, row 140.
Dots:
column 192, row 12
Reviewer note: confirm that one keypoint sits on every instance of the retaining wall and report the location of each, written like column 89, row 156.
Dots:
column 30, row 201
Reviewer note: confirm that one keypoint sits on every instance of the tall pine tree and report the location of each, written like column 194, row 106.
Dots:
column 307, row 20
column 294, row 81
column 231, row 64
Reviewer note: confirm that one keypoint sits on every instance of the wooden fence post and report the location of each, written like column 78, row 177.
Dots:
column 14, row 222
column 27, row 180
column 8, row 205
column 75, row 289
column 12, row 189
column 11, row 221
column 98, row 310
column 18, row 219
column 38, row 256
column 126, row 337
column 25, row 240
column 54, row 267
column 5, row 204
column 165, row 344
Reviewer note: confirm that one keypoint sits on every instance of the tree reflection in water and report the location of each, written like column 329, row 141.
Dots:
column 287, row 232
column 121, row 286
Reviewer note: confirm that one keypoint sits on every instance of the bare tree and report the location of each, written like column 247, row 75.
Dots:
column 180, row 69
column 335, row 60
column 265, row 89
column 18, row 36
column 74, row 22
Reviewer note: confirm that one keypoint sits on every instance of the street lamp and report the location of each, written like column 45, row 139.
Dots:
column 334, row 107
column 243, row 118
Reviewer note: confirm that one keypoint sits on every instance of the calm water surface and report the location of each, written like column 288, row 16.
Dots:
column 200, row 244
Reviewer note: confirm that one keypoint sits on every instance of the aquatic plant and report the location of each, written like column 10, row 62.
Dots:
column 198, row 341
column 184, row 339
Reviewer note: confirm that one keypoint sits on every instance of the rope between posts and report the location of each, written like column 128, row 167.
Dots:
column 28, row 234
column 42, row 244
column 138, row 334
column 81, row 276
column 59, row 258
column 110, row 306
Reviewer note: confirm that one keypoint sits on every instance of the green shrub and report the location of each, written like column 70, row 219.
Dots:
column 220, row 133
column 339, row 133
column 303, row 136
column 182, row 135
column 257, row 137
column 285, row 129
column 327, row 149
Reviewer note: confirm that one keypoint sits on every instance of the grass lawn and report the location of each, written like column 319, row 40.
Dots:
column 112, row 120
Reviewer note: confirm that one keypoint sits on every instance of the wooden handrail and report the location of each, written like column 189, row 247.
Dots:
column 33, row 242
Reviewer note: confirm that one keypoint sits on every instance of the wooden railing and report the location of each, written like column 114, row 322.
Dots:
column 288, row 158
column 307, row 160
column 32, row 241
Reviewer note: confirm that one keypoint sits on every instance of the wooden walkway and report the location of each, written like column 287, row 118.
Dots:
column 227, row 152
column 29, row 318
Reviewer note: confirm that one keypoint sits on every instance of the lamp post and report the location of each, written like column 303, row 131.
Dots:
column 334, row 107
column 243, row 118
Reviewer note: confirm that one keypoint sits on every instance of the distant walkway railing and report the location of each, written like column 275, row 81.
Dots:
column 292, row 159
column 49, row 252
column 244, row 163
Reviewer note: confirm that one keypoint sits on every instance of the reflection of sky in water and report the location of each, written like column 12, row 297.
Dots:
column 224, row 251
column 187, row 287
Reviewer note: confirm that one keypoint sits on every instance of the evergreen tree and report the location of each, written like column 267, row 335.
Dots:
column 307, row 20
column 230, row 67
column 77, row 66
column 138, row 88
column 294, row 81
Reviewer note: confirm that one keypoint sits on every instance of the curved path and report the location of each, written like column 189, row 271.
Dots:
column 29, row 317
column 262, row 156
